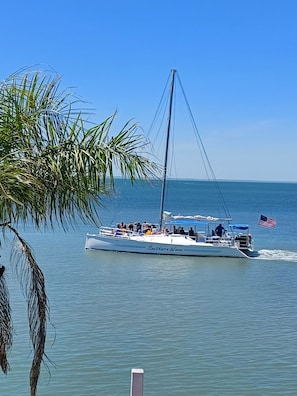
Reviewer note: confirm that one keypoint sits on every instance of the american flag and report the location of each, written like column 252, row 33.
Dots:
column 266, row 221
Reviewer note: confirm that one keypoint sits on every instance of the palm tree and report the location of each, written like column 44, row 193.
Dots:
column 54, row 167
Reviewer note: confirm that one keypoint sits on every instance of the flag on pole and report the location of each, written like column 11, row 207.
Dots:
column 266, row 221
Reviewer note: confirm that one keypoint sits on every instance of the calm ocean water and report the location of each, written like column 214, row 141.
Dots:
column 197, row 326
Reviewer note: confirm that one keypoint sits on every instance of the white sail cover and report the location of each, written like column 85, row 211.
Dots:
column 168, row 216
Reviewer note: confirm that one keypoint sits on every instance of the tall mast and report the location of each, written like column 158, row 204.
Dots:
column 173, row 71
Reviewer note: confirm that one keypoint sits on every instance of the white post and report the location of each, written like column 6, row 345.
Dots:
column 136, row 382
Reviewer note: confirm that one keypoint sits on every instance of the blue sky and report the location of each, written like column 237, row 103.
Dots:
column 237, row 61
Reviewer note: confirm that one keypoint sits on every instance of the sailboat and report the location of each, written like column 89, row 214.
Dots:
column 177, row 235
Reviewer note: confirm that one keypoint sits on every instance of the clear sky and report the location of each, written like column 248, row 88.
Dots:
column 237, row 61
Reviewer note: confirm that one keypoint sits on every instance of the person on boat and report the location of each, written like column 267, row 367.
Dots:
column 145, row 226
column 220, row 230
column 117, row 231
column 191, row 232
column 138, row 227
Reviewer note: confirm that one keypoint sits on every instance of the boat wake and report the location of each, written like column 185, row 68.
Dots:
column 283, row 255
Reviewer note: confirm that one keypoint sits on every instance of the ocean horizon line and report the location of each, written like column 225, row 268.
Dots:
column 217, row 180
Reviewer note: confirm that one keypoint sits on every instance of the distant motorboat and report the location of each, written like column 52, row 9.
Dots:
column 182, row 235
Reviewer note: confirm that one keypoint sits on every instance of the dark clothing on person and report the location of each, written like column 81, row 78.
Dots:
column 191, row 232
column 138, row 226
column 219, row 230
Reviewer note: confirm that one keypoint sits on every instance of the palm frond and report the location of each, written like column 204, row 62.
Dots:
column 54, row 169
column 5, row 322
column 33, row 286
column 69, row 166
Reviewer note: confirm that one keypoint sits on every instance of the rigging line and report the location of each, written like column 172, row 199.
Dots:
column 162, row 104
column 201, row 146
column 155, row 131
column 172, row 168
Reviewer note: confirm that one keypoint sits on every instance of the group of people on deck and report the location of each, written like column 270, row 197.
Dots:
column 148, row 229
column 180, row 230
column 144, row 228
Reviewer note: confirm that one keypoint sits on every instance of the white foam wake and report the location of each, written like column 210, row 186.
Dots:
column 284, row 255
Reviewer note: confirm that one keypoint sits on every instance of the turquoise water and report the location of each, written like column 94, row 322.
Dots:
column 197, row 326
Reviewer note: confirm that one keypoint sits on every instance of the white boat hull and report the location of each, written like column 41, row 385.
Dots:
column 176, row 245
